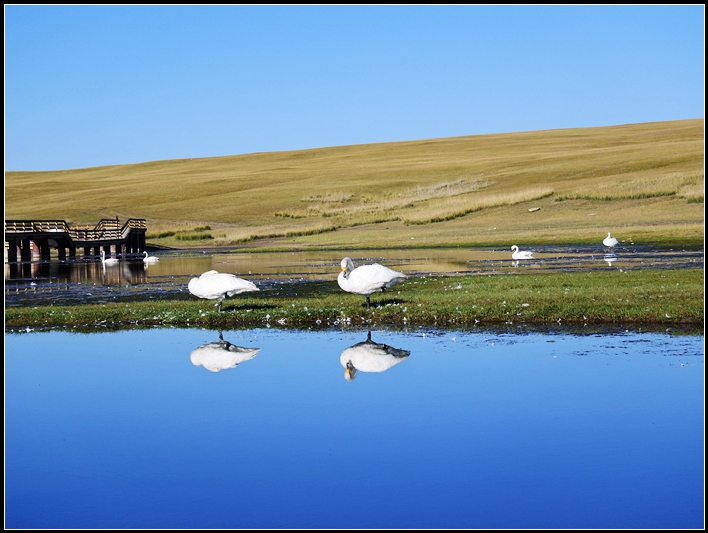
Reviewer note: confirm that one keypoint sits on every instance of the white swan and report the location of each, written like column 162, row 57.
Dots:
column 369, row 356
column 610, row 241
column 150, row 258
column 215, row 285
column 109, row 261
column 367, row 279
column 520, row 255
column 216, row 356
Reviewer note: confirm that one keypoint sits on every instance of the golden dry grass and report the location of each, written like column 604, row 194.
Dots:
column 640, row 181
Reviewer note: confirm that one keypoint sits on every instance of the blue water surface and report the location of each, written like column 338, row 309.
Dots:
column 137, row 429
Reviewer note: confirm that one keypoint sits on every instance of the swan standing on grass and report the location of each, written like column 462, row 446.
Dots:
column 520, row 255
column 109, row 261
column 150, row 258
column 367, row 279
column 215, row 285
column 610, row 241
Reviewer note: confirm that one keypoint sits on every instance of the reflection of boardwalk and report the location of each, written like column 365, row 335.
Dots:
column 42, row 236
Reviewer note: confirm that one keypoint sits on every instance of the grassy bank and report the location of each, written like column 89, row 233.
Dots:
column 651, row 297
column 642, row 182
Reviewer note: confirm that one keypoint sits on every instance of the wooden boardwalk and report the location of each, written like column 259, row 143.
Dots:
column 28, row 239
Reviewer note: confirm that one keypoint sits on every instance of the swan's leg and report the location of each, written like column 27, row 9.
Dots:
column 368, row 303
column 219, row 305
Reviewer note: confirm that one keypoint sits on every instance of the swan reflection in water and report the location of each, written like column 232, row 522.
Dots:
column 216, row 356
column 610, row 258
column 370, row 356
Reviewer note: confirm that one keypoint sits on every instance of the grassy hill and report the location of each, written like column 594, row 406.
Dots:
column 642, row 182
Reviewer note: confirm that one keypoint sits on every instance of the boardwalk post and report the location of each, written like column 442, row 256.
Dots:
column 12, row 251
column 26, row 250
column 44, row 250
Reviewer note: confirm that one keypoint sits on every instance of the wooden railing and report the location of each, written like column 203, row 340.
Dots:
column 106, row 229
column 35, row 226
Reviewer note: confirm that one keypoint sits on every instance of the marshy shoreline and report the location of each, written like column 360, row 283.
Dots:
column 583, row 301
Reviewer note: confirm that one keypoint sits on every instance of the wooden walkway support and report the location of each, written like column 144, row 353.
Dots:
column 23, row 237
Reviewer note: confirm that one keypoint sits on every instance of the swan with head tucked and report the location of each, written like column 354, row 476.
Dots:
column 110, row 260
column 367, row 279
column 610, row 241
column 213, row 285
column 520, row 255
column 370, row 356
column 150, row 258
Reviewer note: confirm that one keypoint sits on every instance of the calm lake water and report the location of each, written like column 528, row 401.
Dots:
column 175, row 428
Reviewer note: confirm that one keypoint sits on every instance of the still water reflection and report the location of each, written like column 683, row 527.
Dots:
column 216, row 356
column 474, row 430
column 370, row 356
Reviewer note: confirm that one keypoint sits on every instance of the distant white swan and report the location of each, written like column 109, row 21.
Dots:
column 520, row 255
column 367, row 279
column 219, row 355
column 370, row 356
column 109, row 261
column 150, row 258
column 214, row 285
column 610, row 241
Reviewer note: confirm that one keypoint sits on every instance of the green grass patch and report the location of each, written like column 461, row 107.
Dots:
column 651, row 297
column 194, row 237
column 160, row 235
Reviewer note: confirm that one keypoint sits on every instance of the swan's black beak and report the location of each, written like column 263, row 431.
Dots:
column 344, row 271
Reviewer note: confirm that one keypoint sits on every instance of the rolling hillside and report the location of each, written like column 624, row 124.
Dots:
column 643, row 182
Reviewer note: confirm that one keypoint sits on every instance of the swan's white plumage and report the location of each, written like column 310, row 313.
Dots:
column 213, row 285
column 610, row 241
column 367, row 279
column 109, row 261
column 370, row 356
column 520, row 255
column 217, row 356
column 150, row 258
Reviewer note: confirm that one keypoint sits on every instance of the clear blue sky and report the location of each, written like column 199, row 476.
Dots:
column 89, row 86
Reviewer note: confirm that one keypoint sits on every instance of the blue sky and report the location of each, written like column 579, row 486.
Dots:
column 90, row 86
